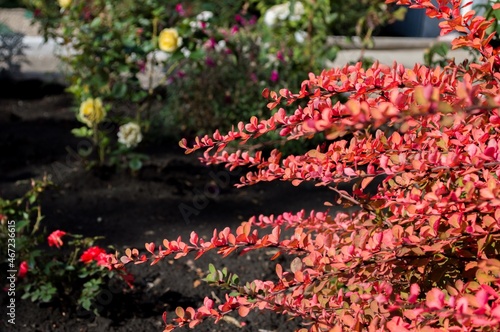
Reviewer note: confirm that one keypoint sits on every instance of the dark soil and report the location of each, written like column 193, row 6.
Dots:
column 130, row 210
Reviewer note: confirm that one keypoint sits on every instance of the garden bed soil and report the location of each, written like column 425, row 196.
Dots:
column 130, row 210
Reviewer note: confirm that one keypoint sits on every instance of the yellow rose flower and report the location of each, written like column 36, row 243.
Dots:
column 169, row 40
column 64, row 3
column 92, row 112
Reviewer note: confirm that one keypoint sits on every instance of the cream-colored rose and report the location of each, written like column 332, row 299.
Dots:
column 282, row 12
column 92, row 112
column 169, row 40
column 130, row 134
column 64, row 3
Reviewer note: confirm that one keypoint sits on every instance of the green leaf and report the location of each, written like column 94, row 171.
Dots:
column 400, row 13
column 119, row 89
column 105, row 141
column 85, row 152
column 20, row 225
column 46, row 298
column 135, row 164
column 124, row 69
column 85, row 303
column 197, row 55
column 212, row 269
column 82, row 132
column 96, row 22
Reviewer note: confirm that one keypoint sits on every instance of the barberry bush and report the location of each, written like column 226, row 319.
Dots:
column 421, row 252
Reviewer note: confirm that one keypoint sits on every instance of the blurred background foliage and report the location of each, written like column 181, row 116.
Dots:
column 216, row 76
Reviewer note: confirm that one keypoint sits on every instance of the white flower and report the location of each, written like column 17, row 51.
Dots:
column 298, row 11
column 159, row 56
column 186, row 52
column 204, row 16
column 282, row 12
column 201, row 21
column 195, row 25
column 220, row 46
column 130, row 134
column 300, row 36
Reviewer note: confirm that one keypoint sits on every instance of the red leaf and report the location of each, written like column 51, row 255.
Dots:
column 150, row 247
column 279, row 271
column 366, row 181
column 349, row 172
column 194, row 239
column 296, row 265
column 265, row 93
column 243, row 311
column 179, row 312
column 435, row 299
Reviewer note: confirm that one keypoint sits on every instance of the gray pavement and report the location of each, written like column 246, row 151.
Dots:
column 44, row 64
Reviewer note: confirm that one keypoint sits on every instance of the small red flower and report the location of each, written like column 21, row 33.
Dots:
column 54, row 238
column 91, row 254
column 23, row 269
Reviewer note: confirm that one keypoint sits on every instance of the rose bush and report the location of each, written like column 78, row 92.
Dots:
column 132, row 56
column 64, row 276
column 420, row 251
column 118, row 54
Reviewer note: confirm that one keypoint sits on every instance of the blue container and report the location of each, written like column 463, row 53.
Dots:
column 415, row 24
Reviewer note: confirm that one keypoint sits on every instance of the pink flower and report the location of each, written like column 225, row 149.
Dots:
column 274, row 76
column 252, row 20
column 54, row 238
column 210, row 44
column 209, row 62
column 179, row 9
column 280, row 56
column 23, row 269
column 142, row 65
column 92, row 254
